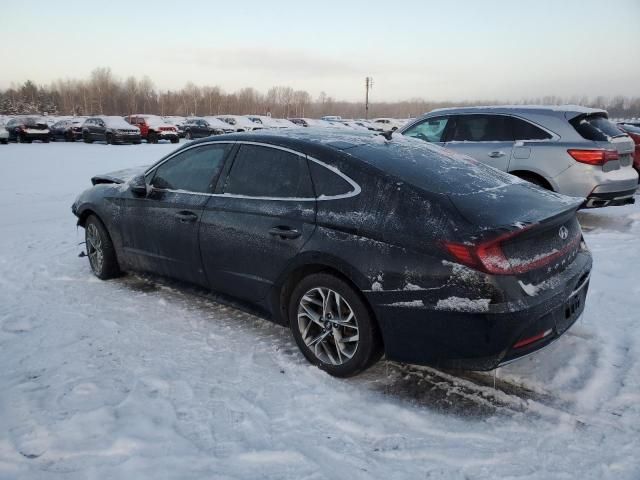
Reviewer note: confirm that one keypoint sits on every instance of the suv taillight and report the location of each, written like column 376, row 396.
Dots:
column 593, row 157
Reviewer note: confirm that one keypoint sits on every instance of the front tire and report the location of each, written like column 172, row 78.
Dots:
column 100, row 250
column 152, row 137
column 333, row 326
column 188, row 136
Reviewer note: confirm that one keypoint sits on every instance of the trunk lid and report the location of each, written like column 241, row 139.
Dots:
column 521, row 230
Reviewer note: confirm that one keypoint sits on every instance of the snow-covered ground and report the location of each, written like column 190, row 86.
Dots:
column 139, row 379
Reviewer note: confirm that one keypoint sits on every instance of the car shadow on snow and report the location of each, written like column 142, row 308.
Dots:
column 466, row 394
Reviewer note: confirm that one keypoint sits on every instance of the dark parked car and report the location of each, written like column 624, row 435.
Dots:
column 362, row 246
column 27, row 129
column 200, row 128
column 109, row 129
column 68, row 130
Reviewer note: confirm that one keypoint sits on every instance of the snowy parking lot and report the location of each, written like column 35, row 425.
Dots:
column 139, row 378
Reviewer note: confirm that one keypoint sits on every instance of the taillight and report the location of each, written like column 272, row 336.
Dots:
column 593, row 157
column 486, row 256
column 489, row 257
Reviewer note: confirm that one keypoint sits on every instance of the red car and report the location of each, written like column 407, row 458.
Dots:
column 634, row 132
column 154, row 128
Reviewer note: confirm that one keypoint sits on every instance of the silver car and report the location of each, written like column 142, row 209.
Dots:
column 571, row 150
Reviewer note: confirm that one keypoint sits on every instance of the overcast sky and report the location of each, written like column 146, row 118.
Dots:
column 437, row 50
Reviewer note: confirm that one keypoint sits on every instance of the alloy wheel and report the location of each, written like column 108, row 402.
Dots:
column 328, row 326
column 94, row 248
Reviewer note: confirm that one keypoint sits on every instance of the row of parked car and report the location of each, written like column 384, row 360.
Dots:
column 153, row 128
column 572, row 150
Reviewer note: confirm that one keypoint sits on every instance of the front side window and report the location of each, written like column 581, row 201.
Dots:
column 261, row 171
column 481, row 128
column 194, row 170
column 430, row 130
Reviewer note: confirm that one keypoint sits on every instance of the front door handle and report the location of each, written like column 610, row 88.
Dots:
column 284, row 232
column 497, row 154
column 186, row 216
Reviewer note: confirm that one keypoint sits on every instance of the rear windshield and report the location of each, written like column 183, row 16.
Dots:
column 595, row 127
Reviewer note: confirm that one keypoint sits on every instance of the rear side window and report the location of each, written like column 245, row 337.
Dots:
column 328, row 183
column 595, row 127
column 259, row 171
column 193, row 170
column 481, row 128
column 523, row 130
column 430, row 130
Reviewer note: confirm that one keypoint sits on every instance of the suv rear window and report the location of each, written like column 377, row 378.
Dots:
column 523, row 130
column 595, row 127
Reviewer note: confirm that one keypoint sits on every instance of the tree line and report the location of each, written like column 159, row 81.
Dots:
column 105, row 94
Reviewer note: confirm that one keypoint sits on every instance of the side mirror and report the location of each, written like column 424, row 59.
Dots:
column 138, row 185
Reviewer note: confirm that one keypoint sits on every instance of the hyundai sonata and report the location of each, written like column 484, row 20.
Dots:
column 362, row 246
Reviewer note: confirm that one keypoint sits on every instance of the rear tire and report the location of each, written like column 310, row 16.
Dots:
column 188, row 136
column 100, row 250
column 323, row 306
column 535, row 180
column 109, row 138
column 152, row 137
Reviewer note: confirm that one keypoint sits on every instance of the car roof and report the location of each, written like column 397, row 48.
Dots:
column 573, row 110
column 410, row 160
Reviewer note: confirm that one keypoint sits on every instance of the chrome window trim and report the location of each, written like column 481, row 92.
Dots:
column 356, row 188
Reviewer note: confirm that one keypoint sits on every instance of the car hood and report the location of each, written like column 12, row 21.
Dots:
column 119, row 176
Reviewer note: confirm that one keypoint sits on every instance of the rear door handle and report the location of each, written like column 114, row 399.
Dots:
column 497, row 154
column 284, row 232
column 186, row 216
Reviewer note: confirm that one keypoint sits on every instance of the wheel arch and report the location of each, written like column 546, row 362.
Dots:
column 528, row 174
column 279, row 301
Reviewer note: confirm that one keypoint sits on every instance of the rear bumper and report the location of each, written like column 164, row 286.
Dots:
column 35, row 136
column 608, row 199
column 588, row 181
column 418, row 332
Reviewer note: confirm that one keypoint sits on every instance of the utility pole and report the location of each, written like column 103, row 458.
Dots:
column 368, row 83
